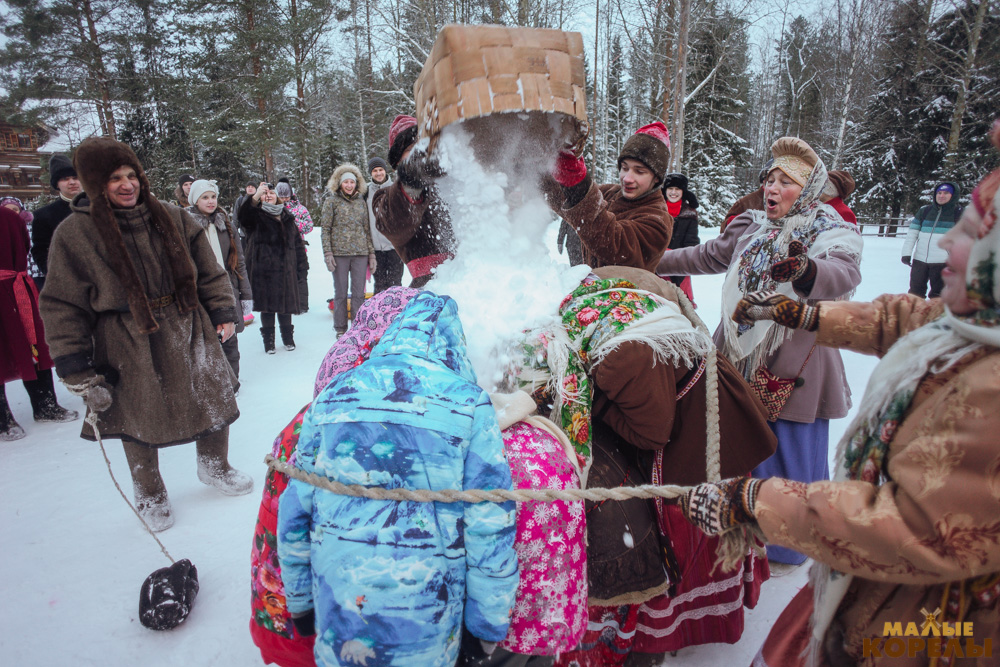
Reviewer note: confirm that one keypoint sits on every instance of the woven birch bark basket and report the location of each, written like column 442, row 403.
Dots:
column 512, row 83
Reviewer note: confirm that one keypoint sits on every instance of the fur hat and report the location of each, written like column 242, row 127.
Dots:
column 402, row 134
column 650, row 145
column 680, row 181
column 795, row 158
column 376, row 162
column 838, row 184
column 95, row 160
column 200, row 187
column 60, row 167
column 283, row 189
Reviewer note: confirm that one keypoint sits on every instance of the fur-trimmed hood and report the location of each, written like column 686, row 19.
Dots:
column 333, row 185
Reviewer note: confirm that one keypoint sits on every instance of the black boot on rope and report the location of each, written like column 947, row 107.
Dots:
column 167, row 596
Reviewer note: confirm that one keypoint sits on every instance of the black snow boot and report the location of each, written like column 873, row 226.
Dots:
column 286, row 337
column 9, row 429
column 43, row 400
column 267, row 333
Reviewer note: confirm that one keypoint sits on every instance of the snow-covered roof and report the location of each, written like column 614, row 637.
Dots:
column 72, row 122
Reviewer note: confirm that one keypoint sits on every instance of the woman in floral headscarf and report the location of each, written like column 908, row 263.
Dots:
column 909, row 531
column 803, row 249
column 271, row 624
column 627, row 372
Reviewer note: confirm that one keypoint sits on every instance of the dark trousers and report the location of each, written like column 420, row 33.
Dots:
column 388, row 270
column 231, row 348
column 284, row 320
column 922, row 273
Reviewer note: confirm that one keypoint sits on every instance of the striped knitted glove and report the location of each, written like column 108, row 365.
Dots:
column 777, row 307
column 715, row 507
column 797, row 268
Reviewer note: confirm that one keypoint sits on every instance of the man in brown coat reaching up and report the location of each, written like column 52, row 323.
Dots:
column 624, row 224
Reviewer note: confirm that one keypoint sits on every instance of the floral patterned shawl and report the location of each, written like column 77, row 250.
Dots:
column 819, row 228
column 373, row 318
column 595, row 318
column 932, row 348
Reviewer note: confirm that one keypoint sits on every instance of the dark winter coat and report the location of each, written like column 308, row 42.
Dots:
column 47, row 218
column 174, row 385
column 685, row 232
column 616, row 231
column 232, row 253
column 275, row 258
column 17, row 291
column 418, row 229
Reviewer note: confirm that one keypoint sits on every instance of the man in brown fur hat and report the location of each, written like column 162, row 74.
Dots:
column 135, row 305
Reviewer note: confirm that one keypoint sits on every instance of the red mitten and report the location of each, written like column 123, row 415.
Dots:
column 570, row 169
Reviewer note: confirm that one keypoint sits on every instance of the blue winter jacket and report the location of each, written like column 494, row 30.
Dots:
column 389, row 580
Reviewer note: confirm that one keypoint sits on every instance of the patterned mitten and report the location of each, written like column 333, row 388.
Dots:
column 715, row 507
column 797, row 269
column 778, row 307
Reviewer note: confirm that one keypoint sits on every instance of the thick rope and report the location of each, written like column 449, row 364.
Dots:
column 733, row 546
column 713, row 450
column 81, row 390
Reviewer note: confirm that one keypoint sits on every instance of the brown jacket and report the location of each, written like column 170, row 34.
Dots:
column 417, row 228
column 619, row 231
column 751, row 202
column 175, row 385
column 938, row 518
column 635, row 413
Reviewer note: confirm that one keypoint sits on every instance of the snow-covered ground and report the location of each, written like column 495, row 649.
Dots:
column 75, row 555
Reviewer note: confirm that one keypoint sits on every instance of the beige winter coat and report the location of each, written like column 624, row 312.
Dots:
column 935, row 524
column 343, row 219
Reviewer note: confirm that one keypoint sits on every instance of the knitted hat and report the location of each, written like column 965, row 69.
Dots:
column 95, row 160
column 650, row 145
column 23, row 213
column 283, row 190
column 200, row 187
column 947, row 187
column 402, row 134
column 795, row 158
column 185, row 178
column 252, row 184
column 60, row 167
column 348, row 176
column 377, row 162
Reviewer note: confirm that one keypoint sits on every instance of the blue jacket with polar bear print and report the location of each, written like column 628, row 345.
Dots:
column 391, row 582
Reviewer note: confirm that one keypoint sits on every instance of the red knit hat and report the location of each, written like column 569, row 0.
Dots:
column 650, row 145
column 404, row 131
